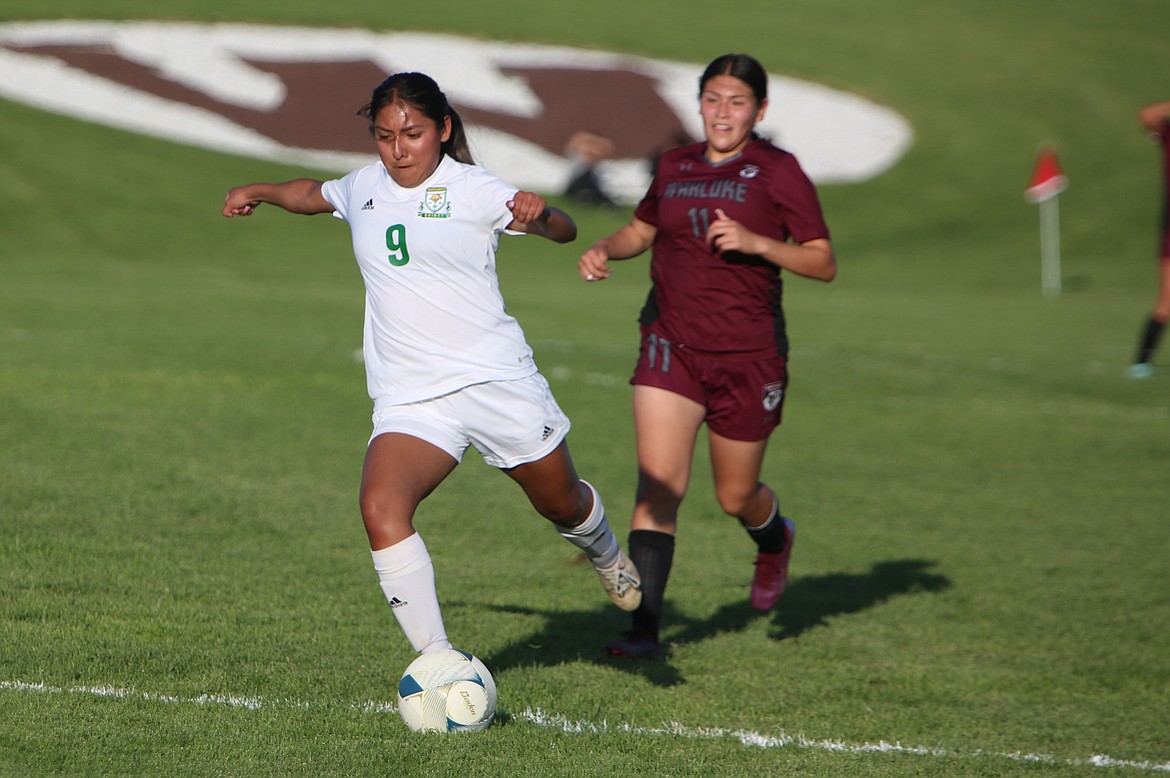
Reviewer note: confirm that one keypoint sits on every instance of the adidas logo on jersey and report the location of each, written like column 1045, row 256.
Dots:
column 547, row 431
column 396, row 603
column 369, row 206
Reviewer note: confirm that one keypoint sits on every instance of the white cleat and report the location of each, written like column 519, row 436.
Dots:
column 622, row 583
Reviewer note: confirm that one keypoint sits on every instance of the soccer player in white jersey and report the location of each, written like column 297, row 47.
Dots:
column 446, row 366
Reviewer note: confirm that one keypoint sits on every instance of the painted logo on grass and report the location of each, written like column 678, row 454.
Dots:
column 290, row 94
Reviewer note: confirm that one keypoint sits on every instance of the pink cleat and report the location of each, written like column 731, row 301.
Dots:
column 772, row 572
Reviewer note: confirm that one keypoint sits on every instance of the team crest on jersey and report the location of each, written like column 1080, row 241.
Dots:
column 749, row 171
column 773, row 394
column 435, row 204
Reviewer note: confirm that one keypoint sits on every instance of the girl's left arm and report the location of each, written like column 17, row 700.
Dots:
column 812, row 259
column 532, row 214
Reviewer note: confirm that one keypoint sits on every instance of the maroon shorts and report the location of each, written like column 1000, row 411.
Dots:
column 744, row 398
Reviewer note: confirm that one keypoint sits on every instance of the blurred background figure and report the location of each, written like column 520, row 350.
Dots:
column 1156, row 119
column 585, row 150
column 674, row 140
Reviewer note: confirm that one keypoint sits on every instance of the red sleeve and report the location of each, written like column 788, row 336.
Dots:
column 797, row 200
column 647, row 210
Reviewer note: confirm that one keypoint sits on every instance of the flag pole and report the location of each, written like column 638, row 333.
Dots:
column 1050, row 247
column 1044, row 188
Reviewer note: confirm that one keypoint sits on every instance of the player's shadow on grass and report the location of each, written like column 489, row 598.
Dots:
column 810, row 602
column 576, row 636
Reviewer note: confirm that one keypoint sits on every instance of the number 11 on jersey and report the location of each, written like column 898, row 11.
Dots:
column 700, row 221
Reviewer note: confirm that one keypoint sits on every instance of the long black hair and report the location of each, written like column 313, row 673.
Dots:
column 421, row 92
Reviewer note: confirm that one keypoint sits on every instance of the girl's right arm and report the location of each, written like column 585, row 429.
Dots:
column 302, row 195
column 629, row 241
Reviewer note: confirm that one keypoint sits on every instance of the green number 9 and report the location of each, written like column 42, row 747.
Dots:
column 396, row 242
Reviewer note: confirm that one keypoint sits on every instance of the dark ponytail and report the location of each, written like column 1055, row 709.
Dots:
column 421, row 92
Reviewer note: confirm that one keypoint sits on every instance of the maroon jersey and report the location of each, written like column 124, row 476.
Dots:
column 727, row 303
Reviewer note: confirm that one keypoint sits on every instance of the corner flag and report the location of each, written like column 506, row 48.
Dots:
column 1048, row 181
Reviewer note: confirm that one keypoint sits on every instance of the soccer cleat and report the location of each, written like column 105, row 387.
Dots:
column 1140, row 370
column 622, row 583
column 772, row 572
column 631, row 647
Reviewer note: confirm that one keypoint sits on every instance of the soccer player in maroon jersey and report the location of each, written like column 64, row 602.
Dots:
column 723, row 217
column 1156, row 119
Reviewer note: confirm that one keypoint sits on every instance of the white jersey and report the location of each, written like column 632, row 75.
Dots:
column 435, row 320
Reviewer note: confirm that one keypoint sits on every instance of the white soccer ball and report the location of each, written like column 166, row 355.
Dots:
column 447, row 691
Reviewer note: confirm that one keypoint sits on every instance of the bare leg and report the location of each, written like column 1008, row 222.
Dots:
column 741, row 494
column 575, row 507
column 736, row 467
column 399, row 472
column 667, row 425
column 553, row 488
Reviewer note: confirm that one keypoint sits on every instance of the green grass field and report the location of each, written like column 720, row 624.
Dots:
column 980, row 586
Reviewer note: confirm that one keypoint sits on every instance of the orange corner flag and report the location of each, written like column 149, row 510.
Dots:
column 1048, row 180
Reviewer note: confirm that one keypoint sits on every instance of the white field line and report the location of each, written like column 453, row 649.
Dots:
column 541, row 718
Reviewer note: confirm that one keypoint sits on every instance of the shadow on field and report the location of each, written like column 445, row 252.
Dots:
column 811, row 601
column 572, row 636
column 577, row 636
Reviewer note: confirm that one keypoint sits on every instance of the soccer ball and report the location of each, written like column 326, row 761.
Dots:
column 447, row 691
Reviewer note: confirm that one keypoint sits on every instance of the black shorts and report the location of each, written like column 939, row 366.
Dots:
column 744, row 398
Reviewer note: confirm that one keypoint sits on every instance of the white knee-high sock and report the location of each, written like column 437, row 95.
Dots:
column 407, row 578
column 593, row 536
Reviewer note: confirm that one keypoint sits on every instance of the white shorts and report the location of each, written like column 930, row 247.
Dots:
column 509, row 422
